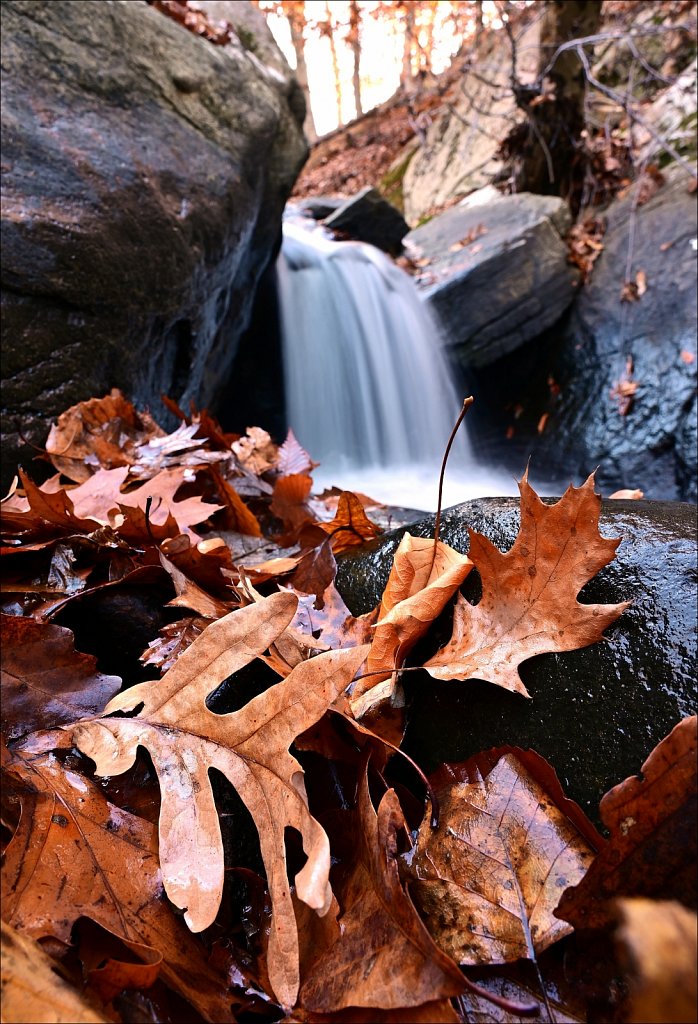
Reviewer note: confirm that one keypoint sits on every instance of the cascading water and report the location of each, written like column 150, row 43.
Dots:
column 368, row 389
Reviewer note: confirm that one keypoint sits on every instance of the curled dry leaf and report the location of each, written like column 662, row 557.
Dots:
column 45, row 681
column 652, row 849
column 657, row 942
column 76, row 855
column 420, row 584
column 628, row 494
column 256, row 452
column 384, row 957
column 99, row 433
column 250, row 747
column 32, row 988
column 174, row 639
column 190, row 595
column 529, row 600
column 351, row 525
column 489, row 878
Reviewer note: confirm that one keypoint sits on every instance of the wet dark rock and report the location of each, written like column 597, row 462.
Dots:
column 368, row 217
column 570, row 372
column 595, row 713
column 498, row 273
column 144, row 175
column 319, row 207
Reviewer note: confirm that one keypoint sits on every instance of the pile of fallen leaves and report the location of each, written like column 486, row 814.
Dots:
column 242, row 839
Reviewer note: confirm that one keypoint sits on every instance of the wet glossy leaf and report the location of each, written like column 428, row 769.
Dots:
column 529, row 600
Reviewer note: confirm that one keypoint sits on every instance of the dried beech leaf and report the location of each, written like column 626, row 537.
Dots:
column 385, row 958
column 32, row 988
column 293, row 458
column 45, row 681
column 529, row 595
column 488, row 879
column 652, row 849
column 76, row 855
column 250, row 747
column 419, row 586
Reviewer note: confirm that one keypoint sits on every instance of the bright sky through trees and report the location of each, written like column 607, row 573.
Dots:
column 382, row 42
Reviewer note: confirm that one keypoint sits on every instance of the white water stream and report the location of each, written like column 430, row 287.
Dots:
column 368, row 390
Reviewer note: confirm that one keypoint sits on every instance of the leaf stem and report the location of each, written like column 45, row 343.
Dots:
column 467, row 402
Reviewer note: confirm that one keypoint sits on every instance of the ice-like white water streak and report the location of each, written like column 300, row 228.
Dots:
column 367, row 383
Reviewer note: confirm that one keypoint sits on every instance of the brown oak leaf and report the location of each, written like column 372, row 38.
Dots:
column 384, row 957
column 250, row 747
column 45, row 681
column 76, row 855
column 488, row 879
column 422, row 580
column 529, row 600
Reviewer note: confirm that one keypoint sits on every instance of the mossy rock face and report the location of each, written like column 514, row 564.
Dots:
column 595, row 713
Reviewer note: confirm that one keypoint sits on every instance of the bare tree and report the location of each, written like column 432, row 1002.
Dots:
column 326, row 28
column 354, row 40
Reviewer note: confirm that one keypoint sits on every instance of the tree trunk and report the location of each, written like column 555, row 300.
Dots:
column 329, row 32
column 295, row 12
column 407, row 70
column 355, row 43
column 552, row 161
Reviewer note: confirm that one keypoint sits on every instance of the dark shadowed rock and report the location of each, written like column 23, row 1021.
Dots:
column 571, row 371
column 144, row 175
column 595, row 713
column 498, row 272
column 368, row 217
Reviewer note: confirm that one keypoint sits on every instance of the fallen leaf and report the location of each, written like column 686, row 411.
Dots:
column 350, row 525
column 632, row 495
column 422, row 580
column 316, row 570
column 45, row 681
column 658, row 945
column 256, row 452
column 98, row 434
column 385, row 957
column 687, row 357
column 487, row 880
column 76, row 855
column 641, row 283
column 190, row 595
column 32, row 988
column 652, row 847
column 290, row 503
column 293, row 458
column 238, row 515
column 174, row 639
column 529, row 595
column 250, row 747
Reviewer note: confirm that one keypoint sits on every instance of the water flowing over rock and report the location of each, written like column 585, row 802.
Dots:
column 498, row 273
column 367, row 382
column 144, row 175
column 595, row 713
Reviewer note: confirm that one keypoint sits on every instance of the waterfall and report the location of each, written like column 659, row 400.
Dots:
column 368, row 390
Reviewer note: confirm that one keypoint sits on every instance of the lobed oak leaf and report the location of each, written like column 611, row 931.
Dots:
column 173, row 640
column 529, row 600
column 190, row 595
column 423, row 578
column 489, row 878
column 250, row 747
column 384, row 957
column 652, row 846
column 45, row 681
column 76, row 855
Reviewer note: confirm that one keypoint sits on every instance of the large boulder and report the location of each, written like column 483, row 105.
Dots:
column 144, row 175
column 368, row 217
column 595, row 713
column 498, row 273
column 615, row 386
